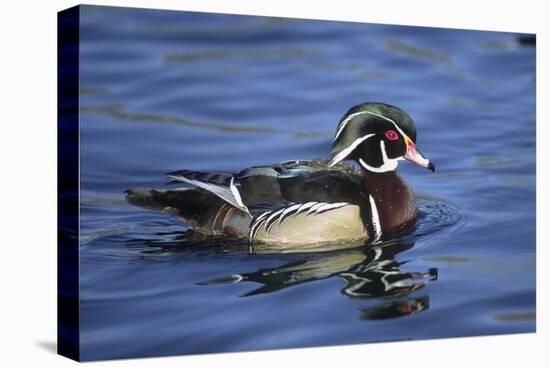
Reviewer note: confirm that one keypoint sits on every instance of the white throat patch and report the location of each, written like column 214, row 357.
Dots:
column 388, row 165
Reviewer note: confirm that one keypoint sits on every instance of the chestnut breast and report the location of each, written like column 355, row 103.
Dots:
column 394, row 200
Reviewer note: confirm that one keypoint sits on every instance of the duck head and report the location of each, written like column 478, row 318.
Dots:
column 377, row 136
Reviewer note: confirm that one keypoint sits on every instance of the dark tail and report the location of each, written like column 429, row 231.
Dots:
column 200, row 209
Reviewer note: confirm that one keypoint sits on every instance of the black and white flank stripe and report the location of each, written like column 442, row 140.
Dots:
column 375, row 220
column 269, row 218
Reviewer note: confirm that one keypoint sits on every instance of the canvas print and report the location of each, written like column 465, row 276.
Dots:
column 235, row 183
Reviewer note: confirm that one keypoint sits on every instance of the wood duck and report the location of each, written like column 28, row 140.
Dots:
column 307, row 202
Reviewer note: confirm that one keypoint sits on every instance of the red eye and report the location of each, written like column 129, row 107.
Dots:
column 392, row 135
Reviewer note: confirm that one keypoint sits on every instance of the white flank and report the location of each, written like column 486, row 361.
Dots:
column 375, row 219
column 344, row 153
column 270, row 218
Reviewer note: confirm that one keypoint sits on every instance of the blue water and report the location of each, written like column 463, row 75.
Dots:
column 162, row 91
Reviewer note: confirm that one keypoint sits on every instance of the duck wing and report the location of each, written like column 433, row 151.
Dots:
column 300, row 182
column 287, row 182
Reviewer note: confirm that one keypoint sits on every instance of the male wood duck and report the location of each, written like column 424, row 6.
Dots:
column 307, row 202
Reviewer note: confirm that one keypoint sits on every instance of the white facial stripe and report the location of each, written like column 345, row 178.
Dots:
column 388, row 165
column 350, row 117
column 345, row 122
column 344, row 153
column 375, row 220
column 390, row 120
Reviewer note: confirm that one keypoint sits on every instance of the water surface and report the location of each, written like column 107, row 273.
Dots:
column 162, row 91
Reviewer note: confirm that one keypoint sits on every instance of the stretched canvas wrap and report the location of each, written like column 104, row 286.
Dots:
column 235, row 183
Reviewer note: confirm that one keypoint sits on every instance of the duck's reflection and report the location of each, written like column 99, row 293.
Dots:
column 368, row 272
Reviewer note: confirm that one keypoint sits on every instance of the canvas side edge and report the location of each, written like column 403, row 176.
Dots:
column 68, row 323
